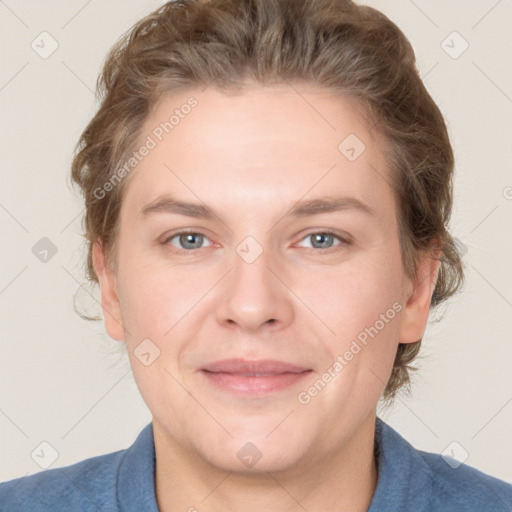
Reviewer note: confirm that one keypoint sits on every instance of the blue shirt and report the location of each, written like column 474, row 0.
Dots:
column 408, row 480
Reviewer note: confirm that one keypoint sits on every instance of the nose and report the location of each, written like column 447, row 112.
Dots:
column 254, row 296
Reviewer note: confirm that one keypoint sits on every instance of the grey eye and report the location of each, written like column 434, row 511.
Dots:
column 321, row 240
column 191, row 241
column 188, row 241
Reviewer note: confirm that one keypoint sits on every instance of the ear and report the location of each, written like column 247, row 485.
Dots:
column 109, row 300
column 418, row 296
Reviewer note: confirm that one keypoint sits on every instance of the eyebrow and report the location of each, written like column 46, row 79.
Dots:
column 302, row 208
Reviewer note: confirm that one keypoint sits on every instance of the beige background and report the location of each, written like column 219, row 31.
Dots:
column 60, row 380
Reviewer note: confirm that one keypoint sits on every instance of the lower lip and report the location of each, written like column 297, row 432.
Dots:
column 254, row 385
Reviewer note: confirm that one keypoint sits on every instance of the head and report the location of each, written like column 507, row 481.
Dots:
column 249, row 109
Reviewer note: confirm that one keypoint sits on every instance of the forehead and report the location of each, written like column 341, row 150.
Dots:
column 268, row 145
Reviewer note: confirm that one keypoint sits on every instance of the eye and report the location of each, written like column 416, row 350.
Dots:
column 324, row 239
column 187, row 240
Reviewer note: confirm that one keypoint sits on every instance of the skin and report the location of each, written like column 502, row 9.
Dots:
column 250, row 158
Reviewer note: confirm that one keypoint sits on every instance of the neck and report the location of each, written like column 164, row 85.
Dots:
column 343, row 481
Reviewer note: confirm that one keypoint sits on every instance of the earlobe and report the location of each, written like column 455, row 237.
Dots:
column 109, row 300
column 418, row 299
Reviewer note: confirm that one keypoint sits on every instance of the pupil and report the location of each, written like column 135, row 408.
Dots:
column 189, row 239
column 321, row 238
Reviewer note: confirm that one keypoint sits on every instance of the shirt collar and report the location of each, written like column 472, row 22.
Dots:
column 136, row 475
column 401, row 483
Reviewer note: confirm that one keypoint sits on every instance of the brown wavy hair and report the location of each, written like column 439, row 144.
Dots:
column 334, row 44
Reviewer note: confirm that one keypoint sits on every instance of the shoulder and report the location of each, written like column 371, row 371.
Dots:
column 410, row 478
column 463, row 487
column 88, row 485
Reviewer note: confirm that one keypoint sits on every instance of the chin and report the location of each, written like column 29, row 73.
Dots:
column 254, row 454
column 251, row 460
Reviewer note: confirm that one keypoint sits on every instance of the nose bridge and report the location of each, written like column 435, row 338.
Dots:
column 253, row 296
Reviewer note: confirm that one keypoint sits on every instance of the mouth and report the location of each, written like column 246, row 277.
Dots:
column 253, row 377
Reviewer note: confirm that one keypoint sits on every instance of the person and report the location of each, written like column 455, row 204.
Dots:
column 268, row 186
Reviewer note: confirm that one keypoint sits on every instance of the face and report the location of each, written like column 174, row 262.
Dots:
column 259, row 288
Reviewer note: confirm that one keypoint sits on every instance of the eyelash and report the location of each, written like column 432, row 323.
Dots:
column 343, row 241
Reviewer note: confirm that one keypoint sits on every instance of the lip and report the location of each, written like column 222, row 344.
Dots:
column 258, row 366
column 260, row 377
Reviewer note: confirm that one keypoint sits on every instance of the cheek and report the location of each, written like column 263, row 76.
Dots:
column 361, row 303
column 155, row 302
column 354, row 295
column 155, row 296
